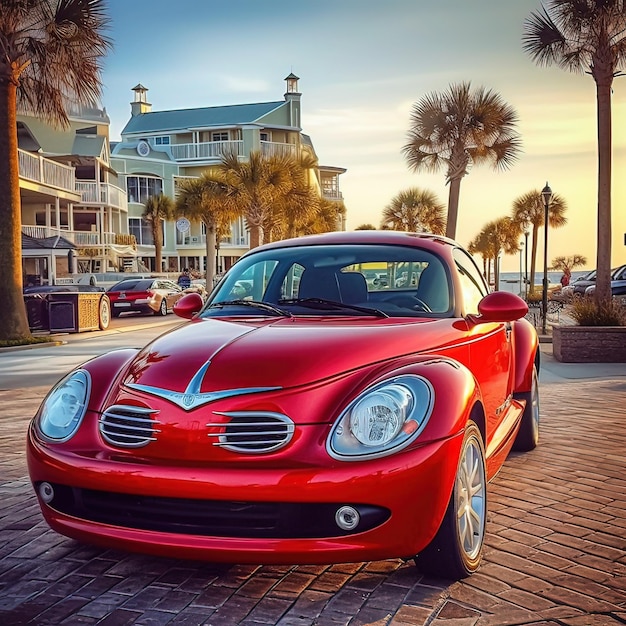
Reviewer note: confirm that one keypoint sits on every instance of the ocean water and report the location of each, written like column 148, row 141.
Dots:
column 510, row 281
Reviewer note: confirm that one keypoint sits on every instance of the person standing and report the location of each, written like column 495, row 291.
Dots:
column 184, row 280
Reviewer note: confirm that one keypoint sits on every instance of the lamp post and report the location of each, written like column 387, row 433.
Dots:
column 526, row 233
column 546, row 193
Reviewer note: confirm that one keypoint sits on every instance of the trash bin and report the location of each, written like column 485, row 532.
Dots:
column 73, row 312
column 37, row 311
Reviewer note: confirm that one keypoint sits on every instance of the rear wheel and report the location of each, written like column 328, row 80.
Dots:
column 457, row 548
column 162, row 308
column 528, row 433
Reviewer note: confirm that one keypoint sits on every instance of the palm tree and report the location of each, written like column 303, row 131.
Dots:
column 586, row 36
column 481, row 245
column 503, row 236
column 529, row 212
column 568, row 263
column 207, row 199
column 270, row 191
column 496, row 238
column 158, row 209
column 458, row 129
column 325, row 219
column 415, row 210
column 51, row 54
column 300, row 207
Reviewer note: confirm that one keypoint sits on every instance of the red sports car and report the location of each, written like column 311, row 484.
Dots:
column 323, row 417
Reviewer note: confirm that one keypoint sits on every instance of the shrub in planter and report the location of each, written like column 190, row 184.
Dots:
column 598, row 337
column 587, row 312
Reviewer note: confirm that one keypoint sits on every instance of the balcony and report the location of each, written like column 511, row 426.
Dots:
column 93, row 193
column 206, row 151
column 38, row 169
column 214, row 150
column 80, row 238
column 271, row 148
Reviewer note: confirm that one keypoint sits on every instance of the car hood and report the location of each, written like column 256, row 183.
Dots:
column 208, row 355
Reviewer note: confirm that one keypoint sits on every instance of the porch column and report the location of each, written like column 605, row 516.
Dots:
column 57, row 214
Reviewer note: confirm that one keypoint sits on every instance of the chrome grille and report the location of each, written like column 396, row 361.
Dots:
column 252, row 433
column 128, row 426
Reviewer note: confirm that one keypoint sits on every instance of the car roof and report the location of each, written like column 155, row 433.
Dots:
column 132, row 284
column 427, row 241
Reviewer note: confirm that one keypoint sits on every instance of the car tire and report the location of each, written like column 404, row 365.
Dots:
column 456, row 550
column 162, row 308
column 104, row 313
column 528, row 433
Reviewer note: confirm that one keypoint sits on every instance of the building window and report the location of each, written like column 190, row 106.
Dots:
column 142, row 229
column 162, row 141
column 220, row 136
column 140, row 188
column 265, row 136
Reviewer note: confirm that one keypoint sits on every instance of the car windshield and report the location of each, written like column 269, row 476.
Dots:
column 331, row 280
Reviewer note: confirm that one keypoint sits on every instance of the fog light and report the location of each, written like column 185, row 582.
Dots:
column 46, row 492
column 347, row 518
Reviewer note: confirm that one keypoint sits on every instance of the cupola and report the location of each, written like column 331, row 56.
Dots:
column 140, row 104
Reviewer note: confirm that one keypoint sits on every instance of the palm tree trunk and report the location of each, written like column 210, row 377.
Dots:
column 158, row 246
column 210, row 255
column 255, row 236
column 603, row 275
column 453, row 207
column 13, row 319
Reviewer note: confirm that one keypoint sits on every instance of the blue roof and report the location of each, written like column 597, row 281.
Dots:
column 182, row 119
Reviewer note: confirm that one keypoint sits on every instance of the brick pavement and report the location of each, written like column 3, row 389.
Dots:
column 555, row 551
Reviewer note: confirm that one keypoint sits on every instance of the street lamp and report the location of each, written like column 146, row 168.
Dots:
column 526, row 233
column 546, row 193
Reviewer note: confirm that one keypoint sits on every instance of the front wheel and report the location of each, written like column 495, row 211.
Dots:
column 162, row 310
column 457, row 548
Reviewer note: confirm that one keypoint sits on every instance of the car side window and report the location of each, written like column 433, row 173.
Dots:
column 473, row 285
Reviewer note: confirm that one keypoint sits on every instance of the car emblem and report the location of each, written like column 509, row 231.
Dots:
column 192, row 398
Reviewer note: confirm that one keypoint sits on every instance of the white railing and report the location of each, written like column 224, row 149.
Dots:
column 102, row 193
column 38, row 169
column 208, row 150
column 271, row 148
column 80, row 238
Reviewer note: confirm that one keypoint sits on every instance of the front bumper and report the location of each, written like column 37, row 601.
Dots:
column 403, row 497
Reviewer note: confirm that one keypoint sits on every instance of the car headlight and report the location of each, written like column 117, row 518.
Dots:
column 383, row 419
column 64, row 407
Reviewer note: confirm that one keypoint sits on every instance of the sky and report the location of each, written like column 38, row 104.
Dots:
column 363, row 65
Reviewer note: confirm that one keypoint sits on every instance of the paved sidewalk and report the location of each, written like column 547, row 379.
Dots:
column 555, row 553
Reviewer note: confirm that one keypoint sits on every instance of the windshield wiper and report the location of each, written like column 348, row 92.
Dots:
column 270, row 308
column 321, row 303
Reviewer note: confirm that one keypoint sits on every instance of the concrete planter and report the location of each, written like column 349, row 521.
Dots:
column 589, row 344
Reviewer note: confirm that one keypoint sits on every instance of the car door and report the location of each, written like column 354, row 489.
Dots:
column 491, row 354
column 171, row 292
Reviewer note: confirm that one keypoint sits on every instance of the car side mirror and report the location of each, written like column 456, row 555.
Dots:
column 188, row 305
column 500, row 306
